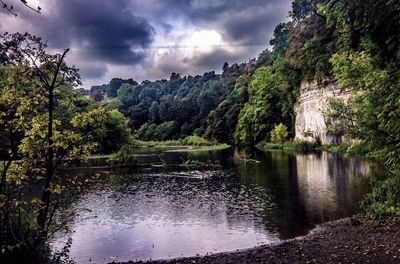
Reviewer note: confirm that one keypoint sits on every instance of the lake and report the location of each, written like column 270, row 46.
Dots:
column 252, row 198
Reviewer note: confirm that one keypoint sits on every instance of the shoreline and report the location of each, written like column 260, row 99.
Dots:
column 345, row 240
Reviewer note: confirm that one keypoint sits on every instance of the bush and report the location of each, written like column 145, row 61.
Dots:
column 279, row 134
column 125, row 156
column 384, row 200
column 308, row 133
column 359, row 149
column 115, row 134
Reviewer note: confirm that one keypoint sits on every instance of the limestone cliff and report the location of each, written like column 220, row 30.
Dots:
column 310, row 124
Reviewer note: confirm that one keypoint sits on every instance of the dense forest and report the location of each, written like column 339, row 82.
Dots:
column 244, row 103
column 239, row 106
column 46, row 121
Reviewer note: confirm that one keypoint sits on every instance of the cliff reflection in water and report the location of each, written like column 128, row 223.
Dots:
column 327, row 185
column 307, row 189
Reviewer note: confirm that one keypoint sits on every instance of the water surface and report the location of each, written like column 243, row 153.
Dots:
column 183, row 212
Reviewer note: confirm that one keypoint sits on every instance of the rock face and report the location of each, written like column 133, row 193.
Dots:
column 310, row 124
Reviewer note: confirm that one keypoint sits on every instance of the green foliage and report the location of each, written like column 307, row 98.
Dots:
column 310, row 41
column 271, row 101
column 288, row 146
column 384, row 201
column 371, row 25
column 377, row 108
column 302, row 9
column 253, row 117
column 184, row 103
column 360, row 148
column 165, row 143
column 156, row 132
column 279, row 134
column 115, row 84
column 222, row 121
column 44, row 125
column 115, row 133
column 308, row 133
column 356, row 70
column 279, row 39
column 126, row 155
column 265, row 58
column 340, row 116
column 196, row 141
column 367, row 60
column 154, row 113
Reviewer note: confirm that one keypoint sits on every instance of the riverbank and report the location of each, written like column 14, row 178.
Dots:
column 342, row 241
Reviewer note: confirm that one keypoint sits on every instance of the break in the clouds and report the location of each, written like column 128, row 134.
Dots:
column 150, row 39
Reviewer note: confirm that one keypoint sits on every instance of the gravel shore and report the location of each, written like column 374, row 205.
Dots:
column 343, row 241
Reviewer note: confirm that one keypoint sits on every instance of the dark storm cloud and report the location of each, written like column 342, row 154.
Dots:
column 215, row 59
column 246, row 24
column 100, row 30
column 108, row 31
column 199, row 64
column 249, row 22
column 93, row 71
column 109, row 37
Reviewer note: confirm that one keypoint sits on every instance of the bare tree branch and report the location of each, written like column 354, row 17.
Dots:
column 10, row 8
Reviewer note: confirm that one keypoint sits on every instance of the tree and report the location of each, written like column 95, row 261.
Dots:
column 372, row 26
column 376, row 109
column 115, row 134
column 154, row 113
column 97, row 96
column 115, row 84
column 279, row 39
column 302, row 9
column 268, row 90
column 35, row 93
column 340, row 117
column 279, row 134
column 174, row 76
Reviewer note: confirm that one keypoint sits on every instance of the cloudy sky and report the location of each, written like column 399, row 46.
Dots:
column 150, row 39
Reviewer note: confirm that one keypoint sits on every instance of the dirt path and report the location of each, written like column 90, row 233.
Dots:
column 343, row 241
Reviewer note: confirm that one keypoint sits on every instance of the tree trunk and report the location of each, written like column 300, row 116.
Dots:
column 50, row 168
column 46, row 195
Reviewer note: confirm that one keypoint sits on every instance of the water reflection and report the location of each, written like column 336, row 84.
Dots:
column 269, row 197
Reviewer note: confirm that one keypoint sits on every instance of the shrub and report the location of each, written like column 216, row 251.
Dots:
column 125, row 156
column 308, row 133
column 384, row 200
column 279, row 134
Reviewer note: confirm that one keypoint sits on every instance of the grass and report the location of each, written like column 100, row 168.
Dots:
column 153, row 143
column 353, row 149
column 195, row 142
column 288, row 146
column 209, row 148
